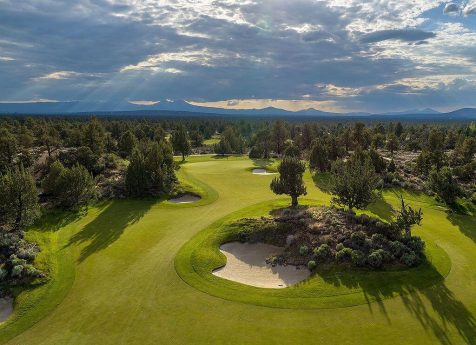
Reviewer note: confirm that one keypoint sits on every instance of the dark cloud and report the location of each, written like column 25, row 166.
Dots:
column 406, row 35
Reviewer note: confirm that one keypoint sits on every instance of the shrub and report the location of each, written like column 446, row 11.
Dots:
column 375, row 259
column 311, row 265
column 344, row 255
column 410, row 259
column 416, row 244
column 358, row 238
column 304, row 250
column 339, row 247
column 378, row 240
column 358, row 258
column 397, row 248
column 3, row 274
column 17, row 271
column 323, row 253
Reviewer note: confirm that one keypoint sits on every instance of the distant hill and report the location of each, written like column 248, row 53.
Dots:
column 426, row 111
column 169, row 108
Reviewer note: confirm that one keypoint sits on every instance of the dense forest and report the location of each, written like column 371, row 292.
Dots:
column 49, row 163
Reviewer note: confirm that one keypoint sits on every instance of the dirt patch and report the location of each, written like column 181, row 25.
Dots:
column 246, row 264
column 6, row 308
column 185, row 199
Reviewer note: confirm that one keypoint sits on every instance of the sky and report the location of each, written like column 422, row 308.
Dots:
column 334, row 55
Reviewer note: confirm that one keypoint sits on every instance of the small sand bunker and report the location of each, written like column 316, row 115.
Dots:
column 262, row 171
column 246, row 264
column 185, row 199
column 6, row 308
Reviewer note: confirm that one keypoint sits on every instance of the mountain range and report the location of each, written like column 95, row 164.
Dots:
column 180, row 106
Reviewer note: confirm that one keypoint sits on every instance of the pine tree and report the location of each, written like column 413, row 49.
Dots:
column 181, row 142
column 319, row 158
column 18, row 198
column 136, row 174
column 127, row 143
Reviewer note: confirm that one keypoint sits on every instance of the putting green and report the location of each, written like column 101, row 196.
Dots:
column 113, row 279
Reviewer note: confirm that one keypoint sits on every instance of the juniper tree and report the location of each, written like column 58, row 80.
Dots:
column 354, row 182
column 319, row 158
column 290, row 180
column 407, row 217
column 181, row 141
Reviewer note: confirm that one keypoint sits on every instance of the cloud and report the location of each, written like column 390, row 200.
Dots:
column 452, row 9
column 470, row 8
column 406, row 35
column 214, row 50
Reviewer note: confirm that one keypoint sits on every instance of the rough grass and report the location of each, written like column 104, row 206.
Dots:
column 113, row 279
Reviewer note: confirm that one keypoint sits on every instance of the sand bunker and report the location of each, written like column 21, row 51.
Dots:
column 6, row 308
column 246, row 264
column 262, row 171
column 185, row 199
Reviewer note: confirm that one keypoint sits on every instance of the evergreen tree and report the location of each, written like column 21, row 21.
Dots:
column 181, row 142
column 392, row 143
column 223, row 147
column 279, row 135
column 8, row 149
column 94, row 136
column 136, row 174
column 442, row 183
column 407, row 217
column 292, row 151
column 18, row 198
column 76, row 187
column 319, row 160
column 290, row 179
column 127, row 143
column 354, row 182
column 398, row 130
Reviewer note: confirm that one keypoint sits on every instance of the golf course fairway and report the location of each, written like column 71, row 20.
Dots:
column 120, row 273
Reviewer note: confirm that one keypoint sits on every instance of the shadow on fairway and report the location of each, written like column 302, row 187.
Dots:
column 382, row 209
column 57, row 220
column 322, row 181
column 446, row 311
column 109, row 225
column 466, row 224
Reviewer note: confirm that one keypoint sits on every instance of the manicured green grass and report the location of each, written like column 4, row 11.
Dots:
column 113, row 279
column 215, row 139
column 328, row 288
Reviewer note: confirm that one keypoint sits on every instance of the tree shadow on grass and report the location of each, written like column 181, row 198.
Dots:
column 466, row 224
column 57, row 220
column 322, row 181
column 262, row 162
column 382, row 208
column 415, row 290
column 109, row 225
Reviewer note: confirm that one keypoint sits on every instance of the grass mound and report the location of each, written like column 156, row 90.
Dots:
column 329, row 286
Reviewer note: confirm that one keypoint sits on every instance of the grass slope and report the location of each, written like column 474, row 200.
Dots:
column 119, row 284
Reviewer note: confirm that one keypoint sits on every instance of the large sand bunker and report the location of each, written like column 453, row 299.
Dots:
column 185, row 199
column 6, row 308
column 262, row 171
column 246, row 264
